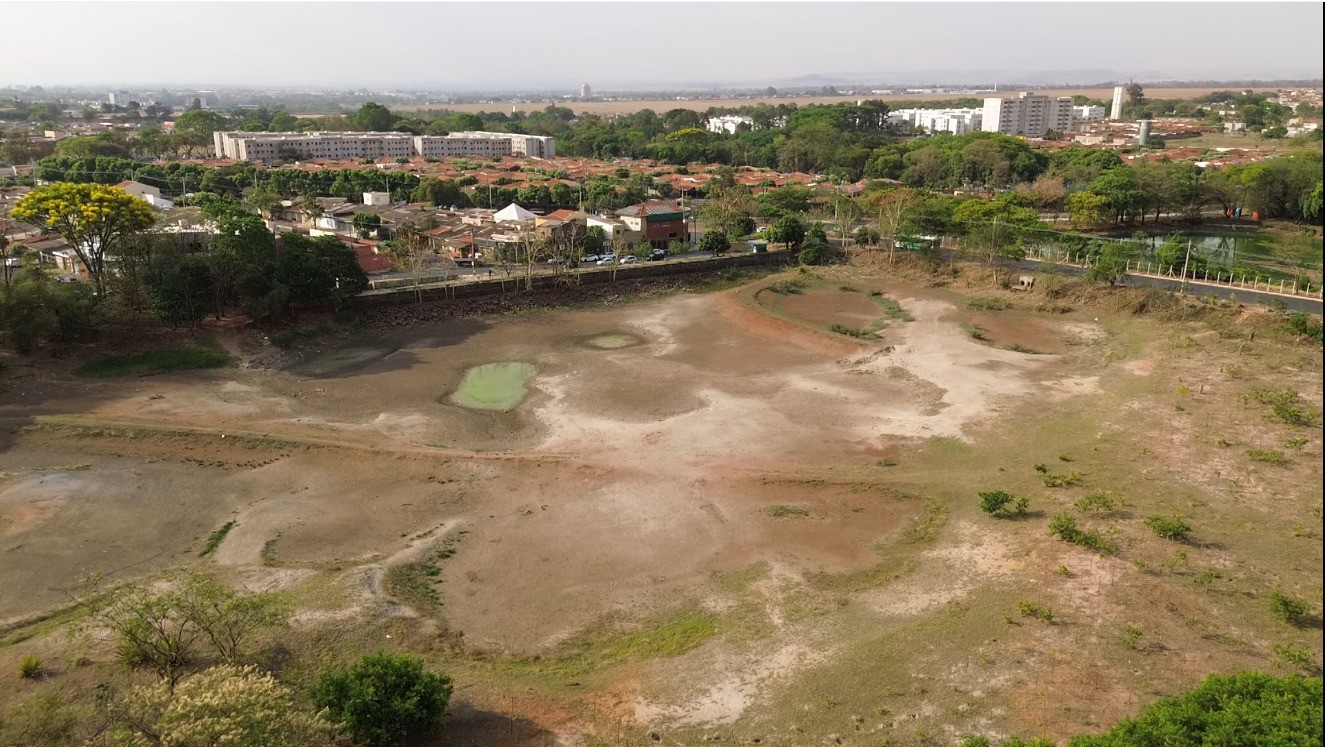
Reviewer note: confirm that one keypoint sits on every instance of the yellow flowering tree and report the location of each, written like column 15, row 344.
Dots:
column 225, row 705
column 93, row 218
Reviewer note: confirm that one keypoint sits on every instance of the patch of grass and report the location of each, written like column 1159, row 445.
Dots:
column 1269, row 456
column 681, row 631
column 161, row 360
column 988, row 304
column 788, row 287
column 783, row 512
column 1036, row 611
column 269, row 551
column 926, row 526
column 1208, row 577
column 30, row 667
column 1095, row 502
column 1065, row 528
column 975, row 331
column 1296, row 443
column 214, row 539
column 1168, row 527
column 412, row 584
column 294, row 338
column 842, row 329
column 1289, row 608
column 891, row 309
column 1017, row 347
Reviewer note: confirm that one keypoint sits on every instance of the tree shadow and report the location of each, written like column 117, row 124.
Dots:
column 468, row 726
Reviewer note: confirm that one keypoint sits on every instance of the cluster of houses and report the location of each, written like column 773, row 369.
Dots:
column 460, row 235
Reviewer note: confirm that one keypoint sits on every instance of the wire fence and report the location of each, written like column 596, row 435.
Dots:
column 1297, row 288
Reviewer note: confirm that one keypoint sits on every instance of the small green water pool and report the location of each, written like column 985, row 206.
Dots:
column 494, row 386
column 341, row 360
column 613, row 341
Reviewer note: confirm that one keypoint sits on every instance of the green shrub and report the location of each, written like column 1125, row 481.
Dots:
column 1306, row 325
column 1052, row 480
column 30, row 667
column 1065, row 528
column 788, row 287
column 384, row 700
column 1168, row 527
column 1289, row 656
column 998, row 501
column 1289, row 608
column 1248, row 709
column 842, row 329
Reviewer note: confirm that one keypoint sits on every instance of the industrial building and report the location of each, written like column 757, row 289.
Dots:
column 275, row 146
column 1116, row 112
column 1027, row 115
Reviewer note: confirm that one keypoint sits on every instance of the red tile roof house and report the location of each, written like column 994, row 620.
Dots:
column 661, row 222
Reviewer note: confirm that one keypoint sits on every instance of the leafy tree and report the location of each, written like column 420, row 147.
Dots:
column 1086, row 209
column 787, row 230
column 318, row 271
column 229, row 619
column 94, row 219
column 385, row 699
column 228, row 705
column 716, row 242
column 742, row 226
column 366, row 223
column 1110, row 265
column 373, row 117
column 1248, row 709
column 182, row 289
column 1136, row 95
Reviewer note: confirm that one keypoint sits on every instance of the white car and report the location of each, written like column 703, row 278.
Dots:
column 629, row 260
column 608, row 261
column 588, row 258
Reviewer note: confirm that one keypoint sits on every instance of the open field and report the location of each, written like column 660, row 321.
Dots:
column 745, row 514
column 660, row 105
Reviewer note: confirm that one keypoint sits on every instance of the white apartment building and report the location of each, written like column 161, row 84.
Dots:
column 1088, row 113
column 271, row 146
column 728, row 123
column 1027, row 115
column 955, row 121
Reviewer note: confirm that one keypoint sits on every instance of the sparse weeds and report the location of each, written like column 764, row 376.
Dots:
column 1131, row 636
column 789, row 287
column 975, row 331
column 1296, row 443
column 1290, row 656
column 926, row 526
column 1208, row 577
column 1037, row 611
column 1053, row 480
column 1285, row 406
column 988, row 304
column 1268, row 456
column 161, row 360
column 786, row 512
column 842, row 329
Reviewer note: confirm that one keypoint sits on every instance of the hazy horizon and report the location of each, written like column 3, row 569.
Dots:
column 540, row 46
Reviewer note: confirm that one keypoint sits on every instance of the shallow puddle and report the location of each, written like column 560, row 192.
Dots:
column 494, row 386
column 613, row 341
column 339, row 361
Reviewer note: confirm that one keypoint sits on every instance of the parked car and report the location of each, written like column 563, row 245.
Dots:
column 602, row 262
column 591, row 258
column 658, row 255
column 629, row 259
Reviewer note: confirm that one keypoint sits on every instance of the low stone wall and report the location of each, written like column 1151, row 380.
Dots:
column 568, row 280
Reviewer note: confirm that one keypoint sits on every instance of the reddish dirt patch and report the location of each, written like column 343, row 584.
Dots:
column 854, row 310
column 1009, row 330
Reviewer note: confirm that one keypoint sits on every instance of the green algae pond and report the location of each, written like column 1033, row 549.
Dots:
column 494, row 386
column 613, row 341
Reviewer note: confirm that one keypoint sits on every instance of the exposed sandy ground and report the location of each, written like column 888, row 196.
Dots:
column 634, row 480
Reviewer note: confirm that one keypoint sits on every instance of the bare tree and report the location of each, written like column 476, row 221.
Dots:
column 412, row 255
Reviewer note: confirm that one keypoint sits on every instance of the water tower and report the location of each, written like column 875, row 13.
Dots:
column 1143, row 134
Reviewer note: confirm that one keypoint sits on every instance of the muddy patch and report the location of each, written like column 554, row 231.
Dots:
column 1012, row 332
column 342, row 360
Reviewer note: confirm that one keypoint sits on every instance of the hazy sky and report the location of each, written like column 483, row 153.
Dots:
column 467, row 46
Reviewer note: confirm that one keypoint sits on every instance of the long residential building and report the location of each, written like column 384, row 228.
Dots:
column 1027, row 115
column 956, row 121
column 275, row 146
